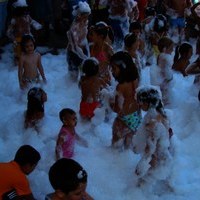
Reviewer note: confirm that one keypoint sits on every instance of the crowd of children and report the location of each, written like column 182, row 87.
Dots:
column 97, row 52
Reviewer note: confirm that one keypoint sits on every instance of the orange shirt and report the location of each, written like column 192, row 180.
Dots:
column 12, row 177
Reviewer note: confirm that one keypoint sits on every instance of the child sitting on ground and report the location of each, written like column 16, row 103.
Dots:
column 78, row 48
column 152, row 139
column 29, row 64
column 182, row 56
column 35, row 107
column 20, row 24
column 67, row 135
column 124, row 103
column 101, row 49
column 69, row 180
column 91, row 85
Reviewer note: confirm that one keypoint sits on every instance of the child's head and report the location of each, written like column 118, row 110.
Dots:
column 131, row 42
column 184, row 50
column 81, row 11
column 165, row 45
column 68, row 117
column 90, row 67
column 150, row 11
column 28, row 43
column 149, row 97
column 68, row 179
column 135, row 27
column 160, row 24
column 101, row 30
column 20, row 8
column 36, row 98
column 123, row 67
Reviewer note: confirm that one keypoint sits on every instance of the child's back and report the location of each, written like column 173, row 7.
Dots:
column 91, row 85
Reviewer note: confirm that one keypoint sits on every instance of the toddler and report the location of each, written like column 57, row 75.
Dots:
column 124, row 103
column 91, row 85
column 35, row 107
column 182, row 56
column 152, row 140
column 69, row 180
column 30, row 65
column 67, row 135
column 20, row 24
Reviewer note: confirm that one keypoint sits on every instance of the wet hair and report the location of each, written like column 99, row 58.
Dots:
column 101, row 28
column 90, row 67
column 150, row 11
column 20, row 11
column 182, row 50
column 35, row 101
column 160, row 24
column 152, row 96
column 130, row 39
column 26, row 154
column 164, row 42
column 128, row 69
column 26, row 38
column 135, row 26
column 65, row 113
column 66, row 175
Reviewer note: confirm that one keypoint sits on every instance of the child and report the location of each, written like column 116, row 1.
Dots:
column 152, row 140
column 194, row 68
column 78, row 49
column 91, row 85
column 29, row 64
column 35, row 107
column 101, row 49
column 131, row 45
column 159, row 30
column 120, row 12
column 164, row 75
column 69, row 180
column 124, row 104
column 136, row 28
column 20, row 24
column 180, row 63
column 67, row 135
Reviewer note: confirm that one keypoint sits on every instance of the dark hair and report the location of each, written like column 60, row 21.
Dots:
column 66, row 175
column 182, row 50
column 20, row 11
column 164, row 42
column 26, row 154
column 35, row 101
column 128, row 70
column 101, row 28
column 25, row 39
column 135, row 26
column 130, row 39
column 65, row 113
column 160, row 24
column 150, row 11
column 90, row 67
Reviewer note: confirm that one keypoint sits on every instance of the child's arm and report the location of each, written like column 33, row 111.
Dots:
column 40, row 68
column 81, row 140
column 20, row 72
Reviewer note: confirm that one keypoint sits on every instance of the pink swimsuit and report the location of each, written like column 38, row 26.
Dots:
column 65, row 150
